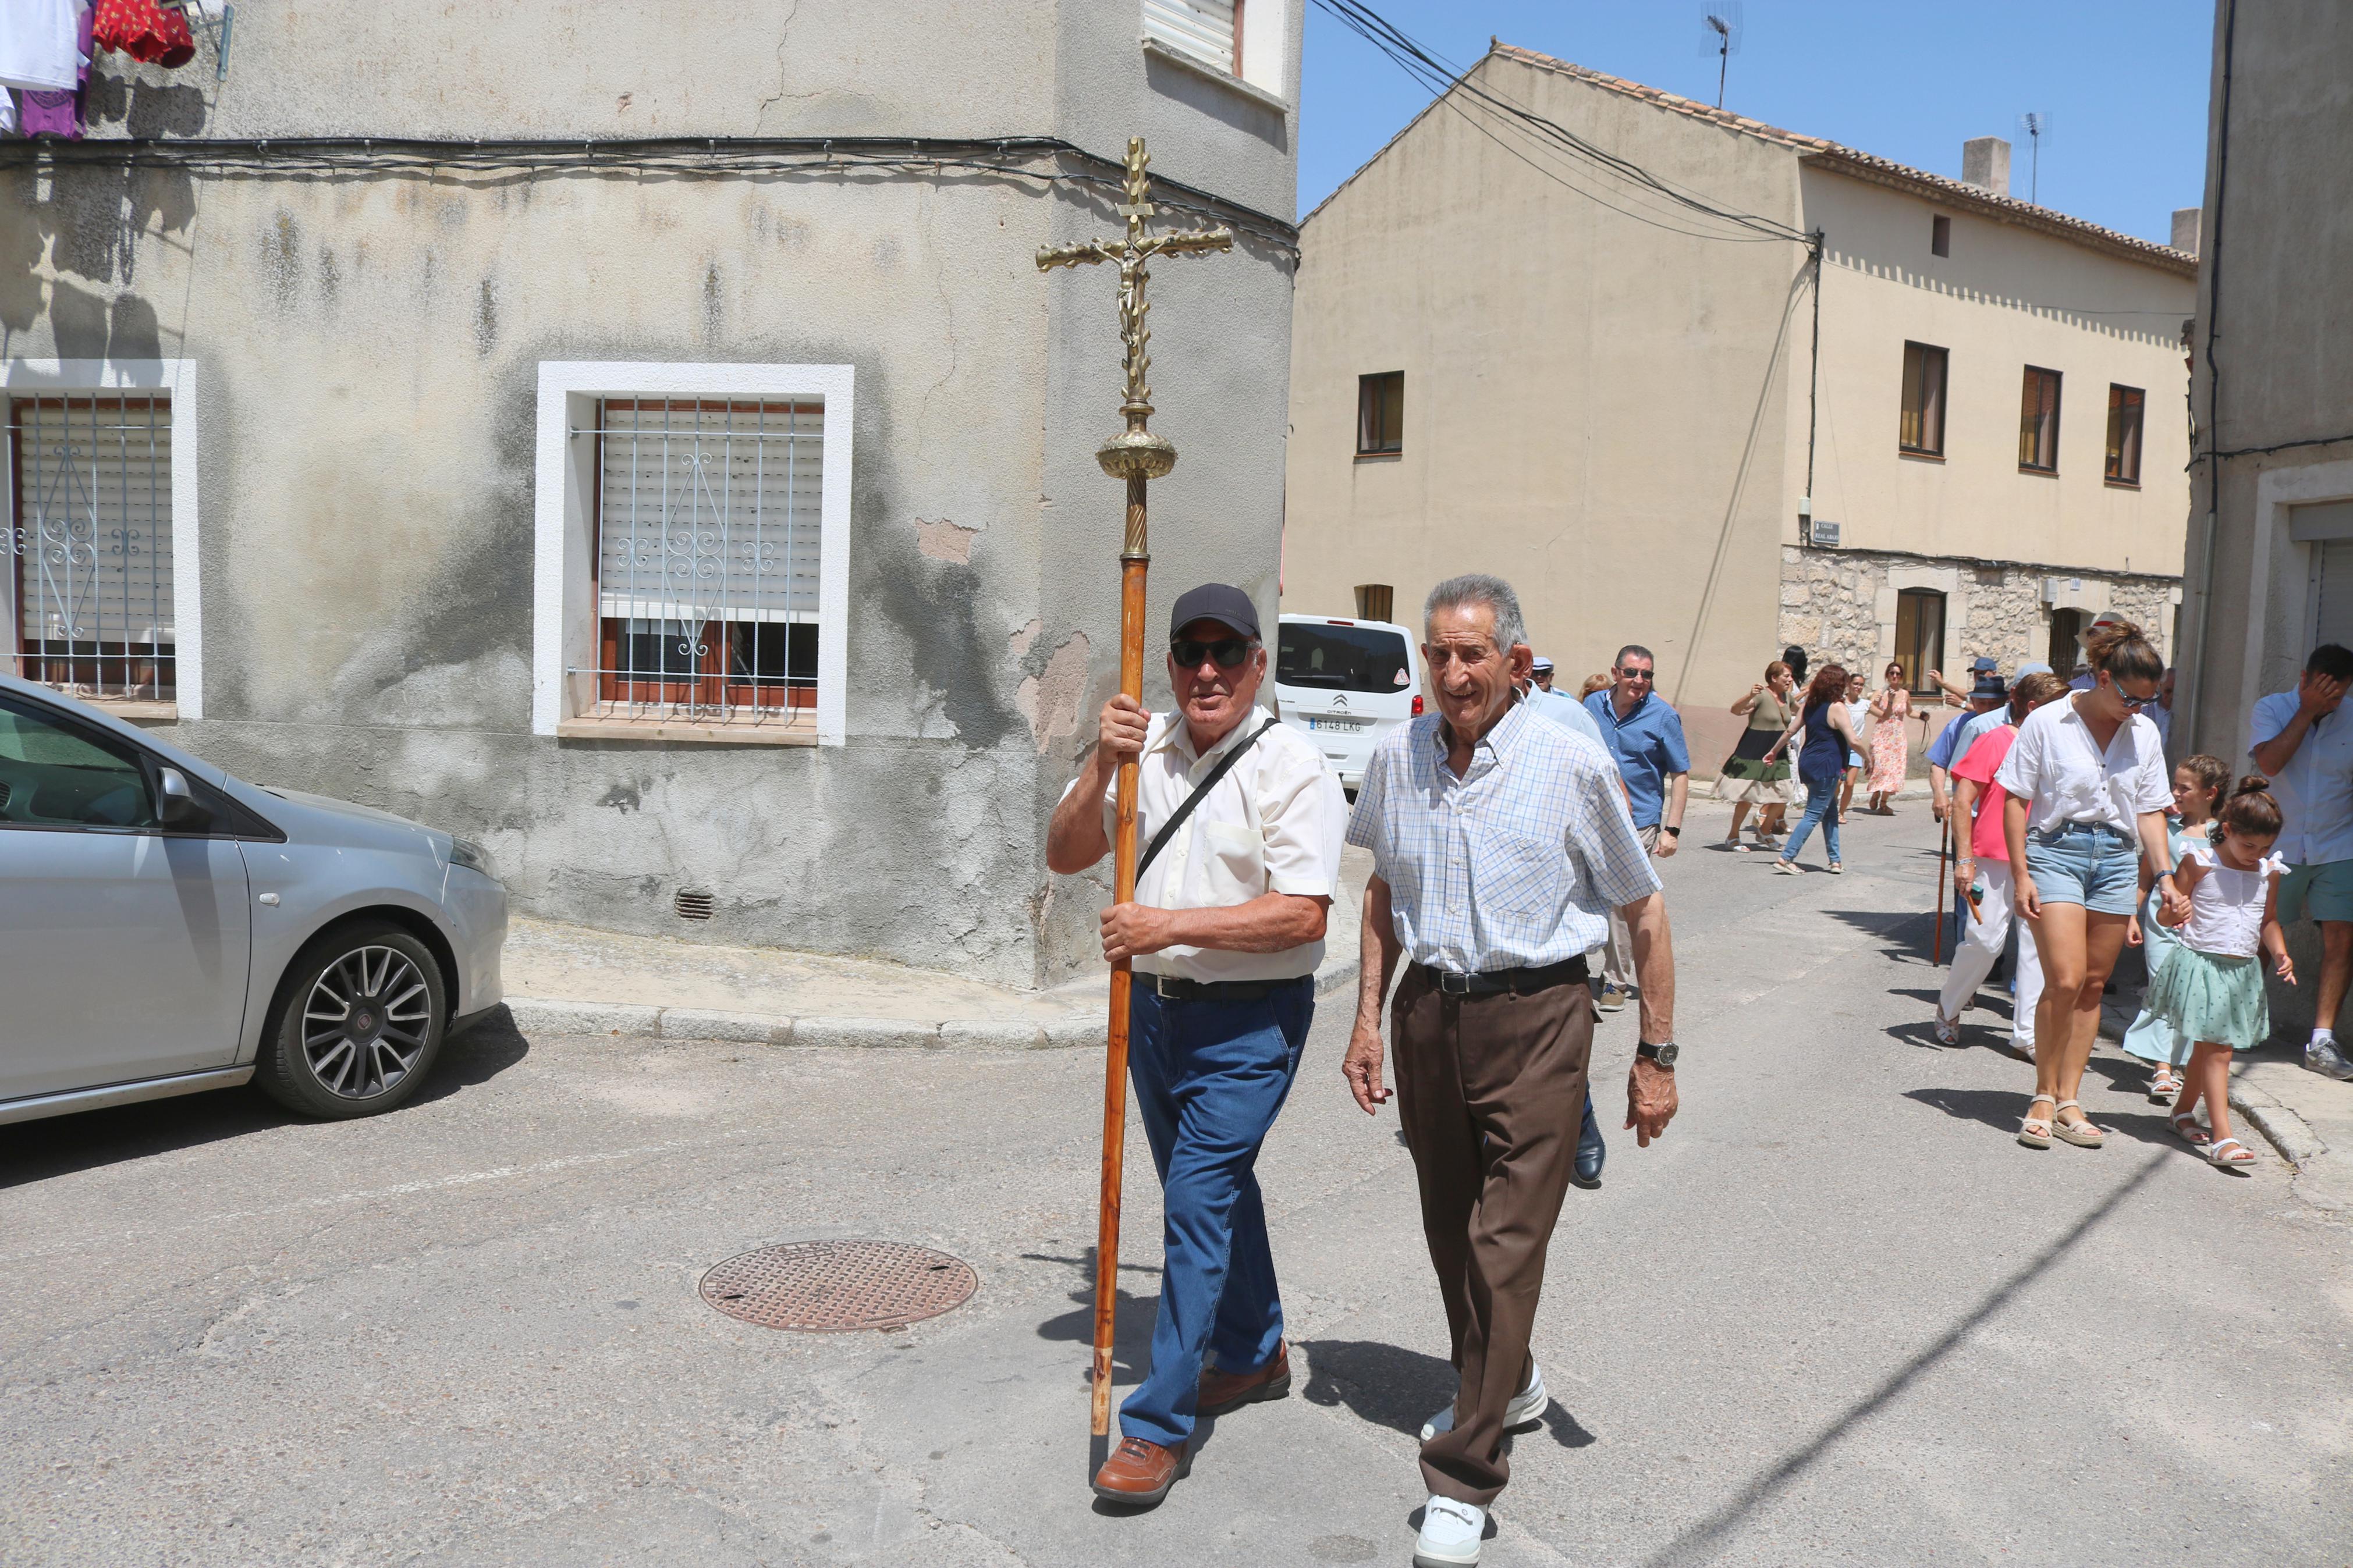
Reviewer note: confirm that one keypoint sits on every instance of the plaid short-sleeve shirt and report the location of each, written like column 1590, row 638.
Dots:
column 1516, row 863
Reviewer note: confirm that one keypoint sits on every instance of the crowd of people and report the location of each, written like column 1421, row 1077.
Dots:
column 1514, row 833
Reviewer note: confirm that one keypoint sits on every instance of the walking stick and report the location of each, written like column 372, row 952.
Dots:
column 1944, row 847
column 1138, row 457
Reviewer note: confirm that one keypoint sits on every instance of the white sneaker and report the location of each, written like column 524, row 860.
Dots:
column 1526, row 1406
column 1450, row 1534
column 2327, row 1058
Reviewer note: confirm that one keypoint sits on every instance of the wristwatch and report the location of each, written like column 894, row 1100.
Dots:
column 1663, row 1053
column 1676, row 831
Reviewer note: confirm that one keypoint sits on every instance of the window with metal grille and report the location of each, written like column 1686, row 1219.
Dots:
column 1921, row 426
column 90, row 552
column 1380, row 414
column 2125, row 403
column 1919, row 637
column 2038, row 421
column 1209, row 31
column 707, row 555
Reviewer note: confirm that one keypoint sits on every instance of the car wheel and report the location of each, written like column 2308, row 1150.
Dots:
column 357, row 1022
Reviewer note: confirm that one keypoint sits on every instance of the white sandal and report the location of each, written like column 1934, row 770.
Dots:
column 2081, row 1134
column 2035, row 1130
column 2163, row 1086
column 2240, row 1161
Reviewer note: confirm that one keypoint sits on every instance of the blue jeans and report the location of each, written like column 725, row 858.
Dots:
column 1209, row 1079
column 1821, row 806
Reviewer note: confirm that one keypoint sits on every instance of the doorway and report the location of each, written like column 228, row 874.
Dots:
column 2067, row 653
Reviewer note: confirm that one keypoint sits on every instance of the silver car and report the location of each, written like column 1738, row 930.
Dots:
column 165, row 928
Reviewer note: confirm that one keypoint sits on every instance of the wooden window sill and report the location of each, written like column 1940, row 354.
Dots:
column 1379, row 456
column 667, row 732
column 1919, row 457
column 1154, row 49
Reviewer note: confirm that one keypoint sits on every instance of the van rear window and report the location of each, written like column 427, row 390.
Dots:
column 1340, row 659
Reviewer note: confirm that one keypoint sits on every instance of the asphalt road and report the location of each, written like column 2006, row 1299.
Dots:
column 1836, row 1316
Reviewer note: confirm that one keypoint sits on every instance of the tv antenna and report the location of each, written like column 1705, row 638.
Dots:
column 1720, row 36
column 2036, row 125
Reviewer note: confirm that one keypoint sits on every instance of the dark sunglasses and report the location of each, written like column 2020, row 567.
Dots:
column 1229, row 652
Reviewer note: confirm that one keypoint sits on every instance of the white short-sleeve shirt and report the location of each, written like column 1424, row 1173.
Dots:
column 2055, row 767
column 1273, row 824
column 2316, row 789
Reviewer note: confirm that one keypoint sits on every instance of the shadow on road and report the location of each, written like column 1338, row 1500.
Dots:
column 1130, row 1345
column 61, row 1146
column 1397, row 1388
column 1908, row 932
column 2001, row 1108
column 1706, row 1540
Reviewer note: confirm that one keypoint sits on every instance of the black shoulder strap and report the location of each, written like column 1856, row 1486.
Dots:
column 1224, row 766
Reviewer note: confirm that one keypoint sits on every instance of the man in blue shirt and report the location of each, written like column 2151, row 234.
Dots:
column 2304, row 743
column 1644, row 736
column 1989, row 708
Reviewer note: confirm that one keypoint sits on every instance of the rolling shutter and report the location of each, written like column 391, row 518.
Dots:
column 1202, row 29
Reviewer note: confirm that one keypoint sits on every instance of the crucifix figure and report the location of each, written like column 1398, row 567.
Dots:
column 1138, row 457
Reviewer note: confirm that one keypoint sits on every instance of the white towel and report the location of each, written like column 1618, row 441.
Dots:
column 40, row 45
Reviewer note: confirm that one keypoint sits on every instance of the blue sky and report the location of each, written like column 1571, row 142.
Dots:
column 2125, row 84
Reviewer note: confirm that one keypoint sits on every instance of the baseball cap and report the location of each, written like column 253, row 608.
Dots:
column 1541, row 664
column 1219, row 602
column 1983, row 663
column 2032, row 666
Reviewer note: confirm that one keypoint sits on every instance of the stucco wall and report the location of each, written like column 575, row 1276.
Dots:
column 2272, row 235
column 1594, row 407
column 2008, row 296
column 370, row 344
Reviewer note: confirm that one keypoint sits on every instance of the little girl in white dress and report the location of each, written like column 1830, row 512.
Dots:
column 2224, row 898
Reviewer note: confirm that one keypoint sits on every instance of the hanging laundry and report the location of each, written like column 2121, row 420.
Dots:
column 59, row 114
column 36, row 43
column 7, row 111
column 145, row 31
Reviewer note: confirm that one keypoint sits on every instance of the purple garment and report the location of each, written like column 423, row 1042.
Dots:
column 59, row 113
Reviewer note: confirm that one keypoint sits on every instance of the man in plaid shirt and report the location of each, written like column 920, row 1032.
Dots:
column 1501, row 844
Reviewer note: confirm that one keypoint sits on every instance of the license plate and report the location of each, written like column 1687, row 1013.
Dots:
column 1342, row 725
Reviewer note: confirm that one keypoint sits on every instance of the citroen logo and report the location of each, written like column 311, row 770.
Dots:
column 1339, row 702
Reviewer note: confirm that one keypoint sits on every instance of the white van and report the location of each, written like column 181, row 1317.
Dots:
column 1345, row 683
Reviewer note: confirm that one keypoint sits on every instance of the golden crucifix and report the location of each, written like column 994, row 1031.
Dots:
column 1139, row 457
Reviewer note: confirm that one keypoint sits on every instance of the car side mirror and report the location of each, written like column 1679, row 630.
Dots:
column 177, row 801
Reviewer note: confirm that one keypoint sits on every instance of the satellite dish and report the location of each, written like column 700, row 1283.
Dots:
column 1720, row 28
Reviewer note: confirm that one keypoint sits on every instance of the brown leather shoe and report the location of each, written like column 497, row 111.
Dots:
column 1223, row 1391
column 1138, row 1473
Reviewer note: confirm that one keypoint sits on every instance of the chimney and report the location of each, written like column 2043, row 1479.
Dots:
column 2185, row 227
column 1985, row 163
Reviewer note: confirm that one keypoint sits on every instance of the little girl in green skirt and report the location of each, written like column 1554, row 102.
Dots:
column 2224, row 897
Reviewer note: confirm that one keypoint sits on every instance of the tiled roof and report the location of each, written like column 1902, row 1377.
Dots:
column 1869, row 166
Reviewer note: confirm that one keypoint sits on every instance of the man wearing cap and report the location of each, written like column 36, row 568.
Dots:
column 1988, row 695
column 1225, row 934
column 1541, row 672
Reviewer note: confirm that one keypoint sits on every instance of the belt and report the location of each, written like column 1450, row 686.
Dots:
column 1488, row 982
column 1174, row 988
column 2061, row 830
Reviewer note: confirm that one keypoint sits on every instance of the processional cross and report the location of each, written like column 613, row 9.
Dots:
column 1139, row 457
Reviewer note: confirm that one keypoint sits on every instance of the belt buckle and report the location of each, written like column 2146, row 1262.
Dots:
column 1160, row 987
column 1452, row 984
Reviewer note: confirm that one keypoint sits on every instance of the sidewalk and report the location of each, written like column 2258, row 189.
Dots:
column 2307, row 1118
column 563, row 979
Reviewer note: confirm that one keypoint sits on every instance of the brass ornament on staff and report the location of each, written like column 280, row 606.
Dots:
column 1139, row 457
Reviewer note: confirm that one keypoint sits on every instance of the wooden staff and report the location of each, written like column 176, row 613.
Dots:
column 1944, row 847
column 1138, row 457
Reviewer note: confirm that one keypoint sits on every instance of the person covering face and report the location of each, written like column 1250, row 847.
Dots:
column 1501, row 843
column 1225, row 933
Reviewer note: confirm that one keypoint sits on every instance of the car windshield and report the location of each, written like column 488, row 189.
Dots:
column 1341, row 659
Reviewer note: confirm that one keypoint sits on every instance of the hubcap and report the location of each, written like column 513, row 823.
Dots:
column 364, row 1022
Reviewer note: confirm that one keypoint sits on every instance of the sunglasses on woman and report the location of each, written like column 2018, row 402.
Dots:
column 1229, row 652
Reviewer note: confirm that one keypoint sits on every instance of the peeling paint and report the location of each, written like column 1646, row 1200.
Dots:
column 1024, row 637
column 1050, row 702
column 944, row 541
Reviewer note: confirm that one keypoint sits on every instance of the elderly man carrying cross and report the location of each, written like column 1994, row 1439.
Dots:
column 1500, row 844
column 1225, row 933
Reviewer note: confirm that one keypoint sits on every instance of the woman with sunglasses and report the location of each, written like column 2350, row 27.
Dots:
column 2088, row 791
column 1891, row 746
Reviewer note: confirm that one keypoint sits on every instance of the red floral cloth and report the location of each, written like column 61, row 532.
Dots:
column 145, row 31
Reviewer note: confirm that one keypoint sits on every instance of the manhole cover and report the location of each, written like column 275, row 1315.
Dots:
column 827, row 1287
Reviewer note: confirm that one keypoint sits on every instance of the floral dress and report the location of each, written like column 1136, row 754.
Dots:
column 1890, row 749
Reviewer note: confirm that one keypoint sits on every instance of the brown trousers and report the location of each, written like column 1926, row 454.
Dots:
column 1491, row 1090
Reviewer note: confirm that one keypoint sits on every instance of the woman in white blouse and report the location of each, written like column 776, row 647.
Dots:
column 2088, row 790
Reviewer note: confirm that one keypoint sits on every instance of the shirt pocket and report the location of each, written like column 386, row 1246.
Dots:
column 1517, row 874
column 1233, row 863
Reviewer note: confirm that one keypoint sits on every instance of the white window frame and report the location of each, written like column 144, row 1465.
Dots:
column 563, row 613
column 177, row 379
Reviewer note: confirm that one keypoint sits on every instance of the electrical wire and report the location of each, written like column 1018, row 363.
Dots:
column 1016, row 157
column 1445, row 81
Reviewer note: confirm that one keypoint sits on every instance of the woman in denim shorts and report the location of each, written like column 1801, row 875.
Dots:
column 2088, row 790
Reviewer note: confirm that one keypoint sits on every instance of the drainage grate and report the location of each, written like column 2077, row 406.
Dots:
column 827, row 1287
column 694, row 906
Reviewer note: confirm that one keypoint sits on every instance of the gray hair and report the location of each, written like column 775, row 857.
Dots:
column 1479, row 588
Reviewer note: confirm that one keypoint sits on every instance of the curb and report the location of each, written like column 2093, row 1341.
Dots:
column 630, row 1021
column 2287, row 1132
